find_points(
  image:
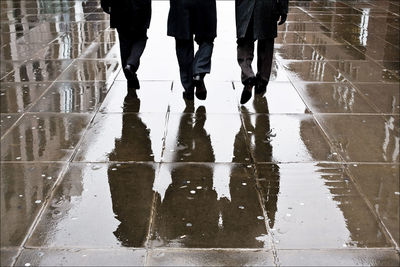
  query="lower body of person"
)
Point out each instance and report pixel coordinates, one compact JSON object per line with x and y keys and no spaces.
{"x":245,"y":56}
{"x":193,"y":67}
{"x":132,"y":45}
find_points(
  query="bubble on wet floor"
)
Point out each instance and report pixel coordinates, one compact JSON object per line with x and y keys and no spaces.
{"x":397,"y":193}
{"x":151,"y":155}
{"x":355,"y":165}
{"x":38,"y":201}
{"x":18,"y":158}
{"x":288,"y":214}
{"x":33,"y":128}
{"x":188,"y":225}
{"x":183,"y":186}
{"x":96,"y":167}
{"x":188,"y":182}
{"x":118,"y":165}
{"x":241,"y":207}
{"x":248,"y":166}
{"x":49,"y":178}
{"x":74,"y":218}
{"x":21,"y":136}
{"x":199,"y":187}
{"x":190,"y":198}
{"x":114,"y":169}
{"x":27,"y":264}
{"x":8,"y":117}
{"x":192,"y":192}
{"x":244,"y":183}
{"x":301,"y":204}
{"x":43,"y":175}
{"x":260,"y":217}
{"x":246,"y":159}
{"x":182,"y":236}
{"x":20,"y":195}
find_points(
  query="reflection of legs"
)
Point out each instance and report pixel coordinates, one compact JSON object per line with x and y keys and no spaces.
{"x":185,"y":55}
{"x":265,"y":51}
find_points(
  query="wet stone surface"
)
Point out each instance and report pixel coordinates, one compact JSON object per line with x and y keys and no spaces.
{"x":306,"y":173}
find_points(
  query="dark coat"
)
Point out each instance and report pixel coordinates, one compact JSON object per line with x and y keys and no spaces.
{"x":188,"y":17}
{"x":133,"y":15}
{"x":265,"y":14}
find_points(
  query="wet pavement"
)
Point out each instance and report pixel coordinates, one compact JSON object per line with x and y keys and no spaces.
{"x":307,"y":174}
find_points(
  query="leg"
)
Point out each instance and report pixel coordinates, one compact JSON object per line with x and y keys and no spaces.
{"x":136,"y":52}
{"x":185,"y":55}
{"x":202,"y":60}
{"x":125,"y":44}
{"x":265,"y":51}
{"x":245,"y":56}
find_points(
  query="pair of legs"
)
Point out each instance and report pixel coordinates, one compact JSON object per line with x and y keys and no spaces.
{"x":132,"y":45}
{"x":245,"y":56}
{"x":194,"y":66}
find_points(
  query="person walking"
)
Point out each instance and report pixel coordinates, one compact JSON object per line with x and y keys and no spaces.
{"x":257,"y":20}
{"x":198,"y":18}
{"x":131,"y":18}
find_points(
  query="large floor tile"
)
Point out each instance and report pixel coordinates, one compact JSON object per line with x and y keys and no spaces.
{"x":364,"y":71}
{"x":38,"y":70}
{"x":386,"y":97}
{"x":18,"y":97}
{"x":203,"y":137}
{"x":208,"y":206}
{"x":153,"y":96}
{"x":85,"y":257}
{"x":114,"y":199}
{"x":219,"y":257}
{"x":312,"y":71}
{"x":333,"y":98}
{"x":8,"y":256}
{"x":363,"y":138}
{"x":286,"y":138}
{"x":123,"y":137}
{"x":356,"y":257}
{"x":72,"y":97}
{"x":315,"y":206}
{"x":44,"y":137}
{"x":220,"y":99}
{"x":7,"y":120}
{"x":91,"y":70}
{"x":281,"y":97}
{"x":24,"y":189}
{"x":380,"y":184}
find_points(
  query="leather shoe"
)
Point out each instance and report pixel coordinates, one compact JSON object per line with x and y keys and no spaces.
{"x":201,"y":90}
{"x":261,"y":86}
{"x":133,"y":81}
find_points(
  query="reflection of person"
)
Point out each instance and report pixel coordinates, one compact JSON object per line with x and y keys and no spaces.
{"x":262,"y":152}
{"x":199,"y":18}
{"x":132,"y":19}
{"x":256,"y":20}
{"x":131,"y":185}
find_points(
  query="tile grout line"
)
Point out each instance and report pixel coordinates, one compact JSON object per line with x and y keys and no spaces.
{"x":259,"y":193}
{"x":153,"y":212}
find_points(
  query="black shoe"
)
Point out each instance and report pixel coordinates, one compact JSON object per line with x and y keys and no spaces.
{"x":131,"y":93}
{"x":247,"y":90}
{"x":201,"y":90}
{"x":132,"y":78}
{"x":261,"y":86}
{"x":134,"y":83}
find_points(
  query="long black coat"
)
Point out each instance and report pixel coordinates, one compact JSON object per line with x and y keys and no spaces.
{"x":187,"y":17}
{"x":134,"y":15}
{"x":265,"y":13}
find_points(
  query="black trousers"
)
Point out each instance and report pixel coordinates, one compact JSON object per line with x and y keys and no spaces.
{"x":132,"y":45}
{"x":191,"y":64}
{"x":245,"y":56}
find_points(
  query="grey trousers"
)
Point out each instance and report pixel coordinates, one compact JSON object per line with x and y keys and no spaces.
{"x":132,"y":46}
{"x":245,"y":56}
{"x":191,"y":64}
